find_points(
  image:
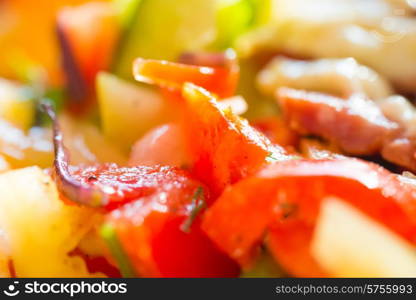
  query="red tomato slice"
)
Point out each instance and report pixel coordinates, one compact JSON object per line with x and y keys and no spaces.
{"x":220,"y":80}
{"x":163,"y":145}
{"x":293,"y":190}
{"x":152,"y":235}
{"x":224,"y":148}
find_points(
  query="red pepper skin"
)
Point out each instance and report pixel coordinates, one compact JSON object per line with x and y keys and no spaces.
{"x":292,"y":191}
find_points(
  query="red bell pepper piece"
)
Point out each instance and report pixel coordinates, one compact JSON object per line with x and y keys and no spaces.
{"x":277,"y":131}
{"x":292,"y":191}
{"x":161,"y":237}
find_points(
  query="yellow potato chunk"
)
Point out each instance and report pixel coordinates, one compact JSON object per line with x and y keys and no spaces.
{"x":39,"y":229}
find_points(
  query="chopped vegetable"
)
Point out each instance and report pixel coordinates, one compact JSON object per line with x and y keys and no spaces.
{"x":154,"y":150}
{"x":88,"y":35}
{"x":264,"y":267}
{"x":163,"y":145}
{"x":221,"y":80}
{"x":339,"y":77}
{"x":86,"y":143}
{"x":341,"y":227}
{"x":286,"y":197}
{"x":224,"y":147}
{"x":21,"y":149}
{"x":180,"y":26}
{"x":125,"y":105}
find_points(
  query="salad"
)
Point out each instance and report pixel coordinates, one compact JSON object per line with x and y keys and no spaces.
{"x":201,"y":138}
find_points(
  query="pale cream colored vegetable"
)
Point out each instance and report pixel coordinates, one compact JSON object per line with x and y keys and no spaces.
{"x":39,"y":229}
{"x":371,"y":31}
{"x":347,"y":243}
{"x":128,"y":110}
{"x":163,"y":145}
{"x":15,"y":106}
{"x":340,"y":77}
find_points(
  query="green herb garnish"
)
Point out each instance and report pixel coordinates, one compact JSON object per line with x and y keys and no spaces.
{"x":198,"y":204}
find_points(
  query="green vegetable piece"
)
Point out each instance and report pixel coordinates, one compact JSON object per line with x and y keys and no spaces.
{"x":265,"y":267}
{"x":163,"y":29}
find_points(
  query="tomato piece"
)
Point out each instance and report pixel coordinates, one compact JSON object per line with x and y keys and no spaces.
{"x":152,"y":234}
{"x":98,"y":264}
{"x":357,"y":125}
{"x":293,"y":190}
{"x":193,"y":254}
{"x":221,"y":80}
{"x":289,"y":244}
{"x":224,"y":148}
